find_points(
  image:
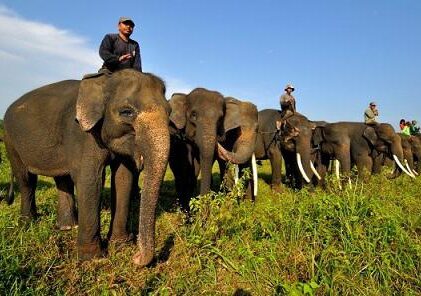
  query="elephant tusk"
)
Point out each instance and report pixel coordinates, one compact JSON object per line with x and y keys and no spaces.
{"x":409,"y":169}
{"x":415,"y":172}
{"x":314,"y":170}
{"x":254,"y":171}
{"x":401,"y":166}
{"x":236,"y":173}
{"x":337,"y":164}
{"x":300,"y":166}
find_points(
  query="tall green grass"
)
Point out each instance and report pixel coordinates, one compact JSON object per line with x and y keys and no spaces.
{"x":364,"y":240}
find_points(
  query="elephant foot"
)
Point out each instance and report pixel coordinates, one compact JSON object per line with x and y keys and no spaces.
{"x":89,"y":251}
{"x":142,"y":259}
{"x":122,"y":239}
{"x":26,"y":220}
{"x":67,"y":227}
{"x":66,"y":223}
{"x":276,"y":188}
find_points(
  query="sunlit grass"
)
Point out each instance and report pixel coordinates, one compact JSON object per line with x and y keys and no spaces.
{"x":364,"y":240}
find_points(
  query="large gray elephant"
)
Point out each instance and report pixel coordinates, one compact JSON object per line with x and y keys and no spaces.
{"x":292,"y":142}
{"x":70,"y":130}
{"x":202,"y":122}
{"x":355,"y":143}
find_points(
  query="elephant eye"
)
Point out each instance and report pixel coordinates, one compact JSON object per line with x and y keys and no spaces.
{"x":127,"y":112}
{"x":193,"y":115}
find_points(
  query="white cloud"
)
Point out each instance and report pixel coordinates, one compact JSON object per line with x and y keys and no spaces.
{"x":33,"y":54}
{"x":175,"y":85}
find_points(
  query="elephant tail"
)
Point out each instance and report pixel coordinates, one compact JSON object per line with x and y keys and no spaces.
{"x":10,"y":198}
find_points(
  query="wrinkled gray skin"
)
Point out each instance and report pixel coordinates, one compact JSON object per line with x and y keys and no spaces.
{"x":201,"y":122}
{"x":356,"y":143}
{"x":124,"y":117}
{"x":294,"y":137}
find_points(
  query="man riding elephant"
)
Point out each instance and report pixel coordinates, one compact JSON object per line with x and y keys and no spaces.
{"x":287,"y":102}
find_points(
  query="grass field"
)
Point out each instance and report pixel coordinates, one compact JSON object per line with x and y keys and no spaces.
{"x":360,"y":241}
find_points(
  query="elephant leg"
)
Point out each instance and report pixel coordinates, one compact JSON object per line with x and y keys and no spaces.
{"x":364,"y":166}
{"x":183,"y":168}
{"x":27,"y":183}
{"x":228,"y":175}
{"x":122,"y":180}
{"x":66,"y":207}
{"x":275,"y":158}
{"x":249,"y":186}
{"x":322,"y":168}
{"x":88,"y":186}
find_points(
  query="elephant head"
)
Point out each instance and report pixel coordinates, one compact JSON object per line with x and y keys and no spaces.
{"x":296,"y":137}
{"x":128,"y":115}
{"x":415,"y":142}
{"x":383,"y":138}
{"x":206,"y":118}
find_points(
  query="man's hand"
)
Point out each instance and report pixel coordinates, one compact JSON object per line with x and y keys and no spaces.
{"x":125,"y":57}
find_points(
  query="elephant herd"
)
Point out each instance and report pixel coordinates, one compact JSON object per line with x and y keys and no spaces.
{"x":71,"y":130}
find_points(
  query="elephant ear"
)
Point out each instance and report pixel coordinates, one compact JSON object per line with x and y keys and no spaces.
{"x":371,"y":135}
{"x":317,"y":136}
{"x":90,"y":102}
{"x":178,"y":104}
{"x":232,"y":118}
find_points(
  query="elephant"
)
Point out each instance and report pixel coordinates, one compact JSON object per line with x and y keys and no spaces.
{"x":357,"y":143}
{"x":292,"y":142}
{"x":411,"y":146}
{"x":201,"y":123}
{"x":415,"y":141}
{"x":72,"y":129}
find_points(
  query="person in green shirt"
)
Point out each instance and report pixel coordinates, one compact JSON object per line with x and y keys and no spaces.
{"x":404,"y":128}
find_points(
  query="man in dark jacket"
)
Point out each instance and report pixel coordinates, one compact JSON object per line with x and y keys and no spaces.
{"x":119,"y":51}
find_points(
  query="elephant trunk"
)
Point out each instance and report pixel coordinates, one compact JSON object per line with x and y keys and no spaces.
{"x":243,"y":148}
{"x":303,"y":157}
{"x":207,"y":157}
{"x":152,"y":143}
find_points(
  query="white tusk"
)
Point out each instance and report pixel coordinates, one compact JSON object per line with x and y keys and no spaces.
{"x":415,"y":172}
{"x":314,"y":170}
{"x":401,"y":166}
{"x":236,"y":173}
{"x":300,"y":166}
{"x":408,"y":168}
{"x":254,"y":171}
{"x":337,"y":164}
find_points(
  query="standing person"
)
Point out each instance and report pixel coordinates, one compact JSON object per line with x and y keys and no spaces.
{"x":404,"y":128}
{"x":119,"y":51}
{"x":287,"y":101}
{"x":371,"y":113}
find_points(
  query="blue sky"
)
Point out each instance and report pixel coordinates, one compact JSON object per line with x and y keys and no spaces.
{"x":339,"y":54}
